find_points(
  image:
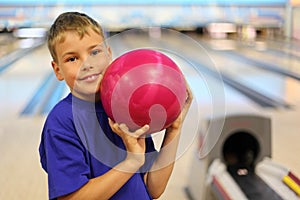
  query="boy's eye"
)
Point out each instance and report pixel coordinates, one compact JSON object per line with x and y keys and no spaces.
{"x":95,"y":52}
{"x":72,"y":59}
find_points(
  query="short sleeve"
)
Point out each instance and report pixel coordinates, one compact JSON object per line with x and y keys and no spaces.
{"x":65,"y":162}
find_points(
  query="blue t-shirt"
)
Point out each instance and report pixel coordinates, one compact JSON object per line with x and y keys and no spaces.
{"x":77,"y":144}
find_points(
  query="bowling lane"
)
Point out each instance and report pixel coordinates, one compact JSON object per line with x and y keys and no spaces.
{"x":289,"y":47}
{"x":13,"y":48}
{"x":268,"y":82}
{"x":7,"y":44}
{"x":22,"y":176}
{"x":19,"y":82}
{"x":266,"y":52}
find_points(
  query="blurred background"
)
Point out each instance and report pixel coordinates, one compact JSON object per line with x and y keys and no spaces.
{"x":254,"y":45}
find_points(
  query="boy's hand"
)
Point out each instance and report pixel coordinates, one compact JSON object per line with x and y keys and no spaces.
{"x":177,"y":124}
{"x":133,"y":141}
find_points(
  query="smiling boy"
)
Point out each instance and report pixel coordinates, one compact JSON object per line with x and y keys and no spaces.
{"x":85,"y":154}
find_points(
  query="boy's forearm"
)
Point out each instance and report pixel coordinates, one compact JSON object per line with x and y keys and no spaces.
{"x":106,"y":185}
{"x":158,"y":177}
{"x":157,"y":180}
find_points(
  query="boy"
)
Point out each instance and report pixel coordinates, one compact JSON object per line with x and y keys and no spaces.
{"x":87,"y":155}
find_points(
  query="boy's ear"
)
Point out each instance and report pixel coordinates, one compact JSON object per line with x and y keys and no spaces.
{"x":57,"y":71}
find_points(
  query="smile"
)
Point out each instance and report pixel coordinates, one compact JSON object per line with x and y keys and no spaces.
{"x":90,"y":78}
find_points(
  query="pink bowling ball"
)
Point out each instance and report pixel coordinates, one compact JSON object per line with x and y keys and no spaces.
{"x":141,"y":87}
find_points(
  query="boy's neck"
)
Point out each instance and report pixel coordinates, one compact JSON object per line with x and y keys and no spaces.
{"x":92,"y":98}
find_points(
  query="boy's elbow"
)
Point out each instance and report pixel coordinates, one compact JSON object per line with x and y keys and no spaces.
{"x":156,"y":194}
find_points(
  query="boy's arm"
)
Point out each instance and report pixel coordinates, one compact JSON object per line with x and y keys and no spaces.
{"x":106,"y":185}
{"x":161,"y":170}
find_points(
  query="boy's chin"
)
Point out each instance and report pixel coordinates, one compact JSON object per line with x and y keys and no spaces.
{"x":92,"y":95}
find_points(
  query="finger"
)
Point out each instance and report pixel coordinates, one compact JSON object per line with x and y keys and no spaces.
{"x":100,"y":77}
{"x":141,"y":131}
{"x":111,"y":123}
{"x":115,"y":127}
{"x":188,"y":101}
{"x":124,"y":128}
{"x":189,"y":93}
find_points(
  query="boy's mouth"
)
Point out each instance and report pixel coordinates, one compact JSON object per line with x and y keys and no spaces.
{"x":90,"y":78}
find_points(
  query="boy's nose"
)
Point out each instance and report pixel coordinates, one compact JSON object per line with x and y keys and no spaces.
{"x":86,"y":66}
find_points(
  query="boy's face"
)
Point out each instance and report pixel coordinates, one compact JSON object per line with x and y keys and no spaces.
{"x":81,"y":62}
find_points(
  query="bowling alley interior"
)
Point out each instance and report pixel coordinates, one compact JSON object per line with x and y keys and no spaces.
{"x":240,"y":59}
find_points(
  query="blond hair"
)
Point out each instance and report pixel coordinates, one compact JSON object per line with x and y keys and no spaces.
{"x":70,"y":21}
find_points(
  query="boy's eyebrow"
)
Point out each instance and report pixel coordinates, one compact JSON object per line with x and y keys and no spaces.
{"x":72,"y":52}
{"x":93,"y":46}
{"x":67,"y":53}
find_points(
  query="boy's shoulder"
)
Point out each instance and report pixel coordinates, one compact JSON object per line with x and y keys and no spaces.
{"x":62,"y":109}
